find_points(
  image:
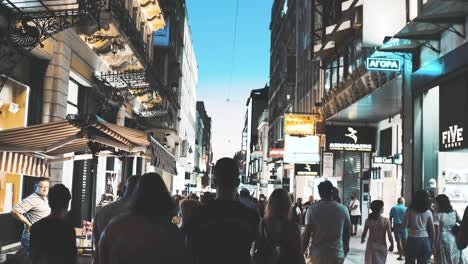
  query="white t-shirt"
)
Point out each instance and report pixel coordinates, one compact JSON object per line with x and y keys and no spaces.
{"x":328,"y":219}
{"x":357,"y":211}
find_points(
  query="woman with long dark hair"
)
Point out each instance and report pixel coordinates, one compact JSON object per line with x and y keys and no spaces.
{"x":445,"y":219}
{"x":279,"y":240}
{"x":146,"y":234}
{"x":379,"y":229}
{"x":420,"y":224}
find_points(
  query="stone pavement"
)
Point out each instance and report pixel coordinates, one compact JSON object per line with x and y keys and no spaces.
{"x":357,"y":250}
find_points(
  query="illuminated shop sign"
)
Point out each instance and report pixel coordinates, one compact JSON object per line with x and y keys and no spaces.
{"x":276,"y":152}
{"x":453,"y":114}
{"x":383,"y":160}
{"x":350,"y":138}
{"x":307,"y":169}
{"x":299,"y":124}
{"x":453,"y":137}
{"x":383,"y":64}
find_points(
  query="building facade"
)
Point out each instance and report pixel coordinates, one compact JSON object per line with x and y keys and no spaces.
{"x":256,"y":104}
{"x":100,"y":68}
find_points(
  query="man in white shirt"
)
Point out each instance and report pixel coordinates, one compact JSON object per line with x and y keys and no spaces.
{"x":355,"y":212}
{"x":328,"y":223}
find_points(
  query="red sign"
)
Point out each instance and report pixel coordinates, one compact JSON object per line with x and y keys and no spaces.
{"x":276,"y":152}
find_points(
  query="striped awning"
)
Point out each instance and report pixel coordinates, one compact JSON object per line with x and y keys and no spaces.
{"x":87,"y":135}
{"x":17,"y":163}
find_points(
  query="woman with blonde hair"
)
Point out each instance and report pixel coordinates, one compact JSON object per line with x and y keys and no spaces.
{"x":279,"y":237}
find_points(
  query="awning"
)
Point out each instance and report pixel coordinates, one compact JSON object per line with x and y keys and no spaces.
{"x":72,"y":135}
{"x":88,"y":135}
{"x":161,"y":158}
{"x":444,"y":11}
{"x":421,"y":31}
{"x":18,"y":163}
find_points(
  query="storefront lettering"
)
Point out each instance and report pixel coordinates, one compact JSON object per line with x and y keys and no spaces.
{"x":453,"y":137}
{"x":383,"y":64}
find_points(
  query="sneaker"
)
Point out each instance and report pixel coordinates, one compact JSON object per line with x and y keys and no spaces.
{"x":400,"y":258}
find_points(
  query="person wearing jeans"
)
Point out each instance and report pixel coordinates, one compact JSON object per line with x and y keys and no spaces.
{"x":421,"y":233}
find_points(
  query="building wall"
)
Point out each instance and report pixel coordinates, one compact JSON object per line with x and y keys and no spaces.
{"x":188,"y":100}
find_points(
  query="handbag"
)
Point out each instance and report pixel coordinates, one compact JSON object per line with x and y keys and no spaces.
{"x":267,"y":251}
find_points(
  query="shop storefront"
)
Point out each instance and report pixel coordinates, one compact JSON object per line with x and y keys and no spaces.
{"x":352,"y":148}
{"x":440,"y":121}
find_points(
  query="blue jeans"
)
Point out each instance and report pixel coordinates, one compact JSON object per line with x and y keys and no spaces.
{"x":418,"y":250}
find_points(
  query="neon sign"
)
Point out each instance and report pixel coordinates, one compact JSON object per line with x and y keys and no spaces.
{"x":383,"y":64}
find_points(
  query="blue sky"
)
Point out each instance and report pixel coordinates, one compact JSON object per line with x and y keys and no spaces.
{"x":212,"y":26}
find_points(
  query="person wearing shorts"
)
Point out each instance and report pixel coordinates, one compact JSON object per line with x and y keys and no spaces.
{"x":397,"y":214}
{"x":355,"y":213}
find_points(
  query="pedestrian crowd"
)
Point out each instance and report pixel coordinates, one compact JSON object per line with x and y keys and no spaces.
{"x":148,"y":225}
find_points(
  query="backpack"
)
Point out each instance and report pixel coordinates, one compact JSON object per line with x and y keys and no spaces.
{"x":267,"y":251}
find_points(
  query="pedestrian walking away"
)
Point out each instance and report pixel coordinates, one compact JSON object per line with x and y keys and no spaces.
{"x":420,"y":224}
{"x":445,"y":220}
{"x":327,"y":229}
{"x":146,"y":233}
{"x":279,"y":240}
{"x":379,"y":229}
{"x":397,"y":214}
{"x":53,"y":239}
{"x":223,"y":230}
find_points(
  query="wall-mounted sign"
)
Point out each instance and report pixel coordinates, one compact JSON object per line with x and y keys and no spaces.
{"x":328,"y":169}
{"x":299,"y":124}
{"x":383,"y":64}
{"x":161,"y":37}
{"x":383,"y":160}
{"x":350,"y":138}
{"x":453,"y":117}
{"x":301,"y":149}
{"x":307,"y":169}
{"x":276,"y":152}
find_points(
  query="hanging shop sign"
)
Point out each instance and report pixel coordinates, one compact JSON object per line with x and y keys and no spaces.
{"x":14,"y":98}
{"x":383,"y":160}
{"x":276,"y":152}
{"x":350,"y":138}
{"x":307,"y":169}
{"x":383,"y":64}
{"x":301,"y":149}
{"x":453,"y":117}
{"x":299,"y":124}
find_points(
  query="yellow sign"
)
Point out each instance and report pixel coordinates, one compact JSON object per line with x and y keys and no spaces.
{"x":299,"y":124}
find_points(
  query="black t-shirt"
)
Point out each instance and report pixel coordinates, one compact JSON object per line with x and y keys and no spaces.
{"x":53,"y":241}
{"x":223,"y":232}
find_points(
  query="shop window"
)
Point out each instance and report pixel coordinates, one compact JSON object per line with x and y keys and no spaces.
{"x":333,"y":74}
{"x":430,"y":138}
{"x":72,"y":100}
{"x":386,"y":142}
{"x":359,"y":53}
{"x":10,"y":188}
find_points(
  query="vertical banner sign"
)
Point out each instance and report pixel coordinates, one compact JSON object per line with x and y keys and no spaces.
{"x":328,"y":164}
{"x":453,"y":117}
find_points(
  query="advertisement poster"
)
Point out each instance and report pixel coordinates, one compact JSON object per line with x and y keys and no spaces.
{"x":328,"y":164}
{"x":350,"y":138}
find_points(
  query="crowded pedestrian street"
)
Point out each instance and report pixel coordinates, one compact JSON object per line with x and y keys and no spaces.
{"x":233,"y":131}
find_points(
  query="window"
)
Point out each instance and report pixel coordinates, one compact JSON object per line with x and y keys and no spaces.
{"x":72,"y":100}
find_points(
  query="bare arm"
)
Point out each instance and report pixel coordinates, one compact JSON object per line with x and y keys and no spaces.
{"x":405,"y":223}
{"x":431,"y":231}
{"x":364,"y":233}
{"x":346,"y":233}
{"x":306,"y":237}
{"x":22,"y":219}
{"x":389,"y":234}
